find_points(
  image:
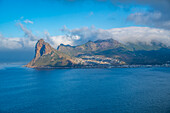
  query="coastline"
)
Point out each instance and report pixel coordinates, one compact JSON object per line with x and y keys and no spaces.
{"x":91,"y":67}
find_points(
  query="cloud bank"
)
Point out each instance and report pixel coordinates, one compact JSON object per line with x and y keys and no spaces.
{"x":82,"y":35}
{"x":124,"y":35}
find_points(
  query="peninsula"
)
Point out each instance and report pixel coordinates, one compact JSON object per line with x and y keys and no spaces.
{"x":100,"y":53}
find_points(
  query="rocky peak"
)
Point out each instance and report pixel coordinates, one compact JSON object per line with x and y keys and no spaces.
{"x":42,"y":48}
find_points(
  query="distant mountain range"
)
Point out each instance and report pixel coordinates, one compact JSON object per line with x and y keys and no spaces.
{"x":100,"y":53}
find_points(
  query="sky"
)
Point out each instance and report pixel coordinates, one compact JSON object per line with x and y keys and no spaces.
{"x":52,"y":15}
{"x":74,"y":22}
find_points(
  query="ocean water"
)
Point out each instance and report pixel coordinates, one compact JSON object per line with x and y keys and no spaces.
{"x":117,"y":90}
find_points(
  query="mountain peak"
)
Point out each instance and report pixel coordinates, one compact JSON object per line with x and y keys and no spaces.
{"x":42,"y":48}
{"x":45,"y":55}
{"x":41,"y":40}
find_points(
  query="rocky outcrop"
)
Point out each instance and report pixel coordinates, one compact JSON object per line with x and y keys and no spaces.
{"x":42,"y":48}
{"x":45,"y":55}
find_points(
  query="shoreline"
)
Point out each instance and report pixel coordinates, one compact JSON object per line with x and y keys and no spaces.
{"x":100,"y":67}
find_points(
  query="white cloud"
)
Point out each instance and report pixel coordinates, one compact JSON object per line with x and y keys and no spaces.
{"x":16,"y":43}
{"x":27,"y":32}
{"x":124,"y":35}
{"x":10,"y":43}
{"x":82,"y":35}
{"x":60,"y":39}
{"x":141,"y":34}
{"x":28,"y":21}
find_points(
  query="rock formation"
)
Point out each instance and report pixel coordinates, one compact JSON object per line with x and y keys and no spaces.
{"x":100,"y":53}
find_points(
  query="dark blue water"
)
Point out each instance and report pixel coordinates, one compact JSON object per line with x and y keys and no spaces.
{"x":118,"y":90}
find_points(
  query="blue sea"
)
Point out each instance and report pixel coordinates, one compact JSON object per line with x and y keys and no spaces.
{"x":116,"y":90}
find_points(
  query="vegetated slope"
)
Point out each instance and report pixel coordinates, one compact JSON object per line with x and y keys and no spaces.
{"x":99,"y":53}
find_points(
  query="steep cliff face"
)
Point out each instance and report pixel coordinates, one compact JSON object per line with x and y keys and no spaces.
{"x":45,"y":56}
{"x":42,"y":48}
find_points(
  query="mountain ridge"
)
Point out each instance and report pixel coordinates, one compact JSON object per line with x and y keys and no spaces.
{"x":100,"y":53}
